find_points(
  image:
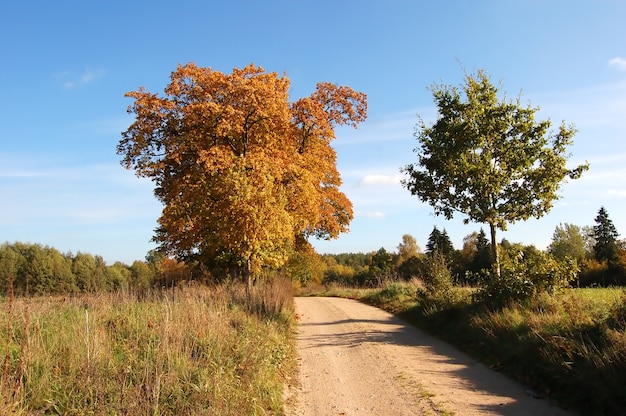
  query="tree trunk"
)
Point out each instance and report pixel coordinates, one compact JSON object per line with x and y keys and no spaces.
{"x":247,"y":277}
{"x":495,"y":251}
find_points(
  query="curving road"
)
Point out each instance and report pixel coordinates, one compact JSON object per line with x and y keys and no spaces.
{"x":355,"y":359}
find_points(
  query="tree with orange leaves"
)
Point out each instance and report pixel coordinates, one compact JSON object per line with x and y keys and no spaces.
{"x":245,"y":176}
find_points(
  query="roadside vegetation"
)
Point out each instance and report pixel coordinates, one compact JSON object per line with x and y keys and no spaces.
{"x":557,"y":327}
{"x":194,"y":350}
{"x":569,"y":347}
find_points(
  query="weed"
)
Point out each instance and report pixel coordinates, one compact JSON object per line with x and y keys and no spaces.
{"x":195,"y":351}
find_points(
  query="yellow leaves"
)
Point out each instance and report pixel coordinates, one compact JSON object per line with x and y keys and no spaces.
{"x":238,"y":168}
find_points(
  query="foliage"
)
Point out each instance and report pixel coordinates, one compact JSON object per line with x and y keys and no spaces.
{"x":35,"y":269}
{"x":192,"y":351}
{"x":340,"y":274}
{"x":413,"y":267}
{"x":439,"y":242}
{"x":601,"y":273}
{"x":570,"y":240}
{"x":356,"y":261}
{"x":438,"y":280}
{"x":407,"y":248}
{"x":525,"y":275}
{"x":569,"y":346}
{"x":605,"y":235}
{"x":487,"y":158}
{"x":381,"y":266}
{"x":305,"y":267}
{"x":242,"y":172}
{"x":473,"y":260}
{"x":343,"y":268}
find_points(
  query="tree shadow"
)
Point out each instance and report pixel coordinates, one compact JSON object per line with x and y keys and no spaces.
{"x":446,"y":359}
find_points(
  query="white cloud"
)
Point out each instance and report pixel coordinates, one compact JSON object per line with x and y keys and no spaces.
{"x":619,"y":63}
{"x":371,"y":214}
{"x":100,"y":215}
{"x":368,"y":180}
{"x":87,"y":77}
{"x":617,"y":193}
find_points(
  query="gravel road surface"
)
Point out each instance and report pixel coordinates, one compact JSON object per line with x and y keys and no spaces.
{"x":355,"y":359}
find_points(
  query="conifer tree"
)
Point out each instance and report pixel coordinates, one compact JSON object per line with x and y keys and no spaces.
{"x":605,"y":235}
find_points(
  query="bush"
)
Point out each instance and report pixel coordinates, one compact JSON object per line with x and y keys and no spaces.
{"x":525,"y":276}
{"x":438,"y":282}
{"x":602,"y":273}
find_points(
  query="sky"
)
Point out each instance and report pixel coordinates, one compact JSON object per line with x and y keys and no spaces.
{"x":66,"y":66}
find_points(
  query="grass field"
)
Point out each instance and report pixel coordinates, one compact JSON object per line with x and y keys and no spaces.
{"x":191,"y":351}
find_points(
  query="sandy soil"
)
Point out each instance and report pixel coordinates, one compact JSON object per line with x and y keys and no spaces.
{"x":355,"y":359}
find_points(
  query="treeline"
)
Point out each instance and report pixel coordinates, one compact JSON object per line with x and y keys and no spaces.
{"x":35,"y":269}
{"x":586,"y":256}
{"x":577,"y":256}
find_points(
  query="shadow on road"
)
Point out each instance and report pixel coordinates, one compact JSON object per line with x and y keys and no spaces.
{"x":435,"y":356}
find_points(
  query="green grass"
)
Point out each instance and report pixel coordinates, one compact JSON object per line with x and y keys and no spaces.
{"x":192,"y":351}
{"x":569,"y":346}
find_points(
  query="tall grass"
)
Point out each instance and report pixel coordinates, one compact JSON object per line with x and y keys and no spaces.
{"x":191,"y":351}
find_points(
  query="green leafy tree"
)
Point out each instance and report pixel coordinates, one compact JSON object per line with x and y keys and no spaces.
{"x":380,"y":267}
{"x":487,"y":158}
{"x":84,"y":269}
{"x":305,"y":265}
{"x":11,"y":261}
{"x":438,"y":279}
{"x":381,"y":262}
{"x":527,"y":272}
{"x":569,"y":240}
{"x":48,"y":271}
{"x":605,"y":235}
{"x":415,"y":266}
{"x":142,"y":275}
{"x":118,"y":276}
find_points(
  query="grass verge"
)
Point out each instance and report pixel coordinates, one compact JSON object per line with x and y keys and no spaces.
{"x":192,"y":351}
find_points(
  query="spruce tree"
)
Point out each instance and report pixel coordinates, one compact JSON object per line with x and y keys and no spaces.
{"x":605,"y":235}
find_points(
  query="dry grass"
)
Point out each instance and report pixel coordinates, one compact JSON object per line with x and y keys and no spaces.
{"x":192,"y":351}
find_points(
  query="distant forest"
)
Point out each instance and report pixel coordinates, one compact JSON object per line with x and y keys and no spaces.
{"x":597,"y":257}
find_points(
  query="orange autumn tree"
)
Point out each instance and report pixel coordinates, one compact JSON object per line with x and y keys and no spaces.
{"x":245,"y":176}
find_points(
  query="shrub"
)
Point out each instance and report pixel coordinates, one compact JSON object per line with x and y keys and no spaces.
{"x":438,"y":282}
{"x":525,"y":276}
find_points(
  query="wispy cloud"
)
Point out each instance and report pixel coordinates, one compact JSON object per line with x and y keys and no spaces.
{"x":371,"y":214}
{"x":619,"y":63}
{"x":71,"y":80}
{"x":390,"y":128}
{"x":100,"y":215}
{"x":16,"y":174}
{"x":377,"y":179}
{"x":617,"y":193}
{"x":96,"y":193}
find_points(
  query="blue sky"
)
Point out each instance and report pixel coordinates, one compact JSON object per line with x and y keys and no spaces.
{"x":67,"y":64}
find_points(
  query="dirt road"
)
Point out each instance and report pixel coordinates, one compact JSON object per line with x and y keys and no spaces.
{"x":355,"y":359}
